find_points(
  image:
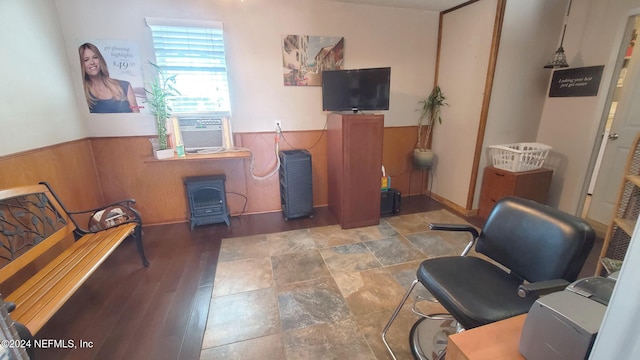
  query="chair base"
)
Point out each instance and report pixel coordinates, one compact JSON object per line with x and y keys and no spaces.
{"x":428,"y":338}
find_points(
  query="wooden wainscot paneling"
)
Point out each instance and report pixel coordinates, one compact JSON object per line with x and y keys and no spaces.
{"x":68,"y":167}
{"x":88,"y":173}
{"x":126,"y":170}
{"x":397,"y":158}
{"x":264,"y":195}
{"x":91,"y":172}
{"x":158,"y":186}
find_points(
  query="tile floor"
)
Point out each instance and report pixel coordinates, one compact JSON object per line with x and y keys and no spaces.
{"x":322,"y":293}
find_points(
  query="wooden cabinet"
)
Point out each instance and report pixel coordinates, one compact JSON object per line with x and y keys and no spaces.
{"x":498,"y":340}
{"x":625,"y":215}
{"x":354,"y":162}
{"x":498,"y":183}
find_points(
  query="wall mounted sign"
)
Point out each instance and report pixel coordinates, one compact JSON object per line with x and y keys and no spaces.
{"x":576,"y":82}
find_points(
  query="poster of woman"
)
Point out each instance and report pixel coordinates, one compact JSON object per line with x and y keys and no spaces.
{"x":111,"y":91}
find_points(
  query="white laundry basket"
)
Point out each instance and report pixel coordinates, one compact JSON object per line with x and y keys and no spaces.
{"x":519,"y":156}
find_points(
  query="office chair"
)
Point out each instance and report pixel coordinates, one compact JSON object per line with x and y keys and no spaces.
{"x":532,"y":249}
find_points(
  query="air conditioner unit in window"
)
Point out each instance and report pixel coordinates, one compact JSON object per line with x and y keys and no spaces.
{"x":205,"y":133}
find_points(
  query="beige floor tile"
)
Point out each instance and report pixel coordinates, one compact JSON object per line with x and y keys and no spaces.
{"x":405,"y":274}
{"x":241,"y":316}
{"x":394,"y":250}
{"x":310,"y":303}
{"x":372,"y":325}
{"x":349,"y":258}
{"x":268,"y":347}
{"x":441,"y":217}
{"x":291,"y":242}
{"x":408,"y":224}
{"x":440,"y":243}
{"x":323,"y":293}
{"x":339,"y":340}
{"x":243,"y":275}
{"x":333,"y":235}
{"x":300,"y":266}
{"x":244,"y":248}
{"x":381,"y":231}
{"x":370,"y":291}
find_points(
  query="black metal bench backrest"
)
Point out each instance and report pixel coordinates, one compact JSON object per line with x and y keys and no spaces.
{"x":26,"y":220}
{"x":33,"y":223}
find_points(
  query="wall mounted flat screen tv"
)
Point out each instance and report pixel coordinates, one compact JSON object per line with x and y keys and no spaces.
{"x":356,"y":90}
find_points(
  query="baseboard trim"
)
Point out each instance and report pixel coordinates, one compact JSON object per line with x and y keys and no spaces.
{"x":455,"y":207}
{"x":600,"y":228}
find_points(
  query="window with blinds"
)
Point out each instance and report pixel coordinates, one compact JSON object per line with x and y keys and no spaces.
{"x":194,"y":52}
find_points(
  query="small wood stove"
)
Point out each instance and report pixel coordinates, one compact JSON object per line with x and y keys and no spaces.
{"x":207,"y":200}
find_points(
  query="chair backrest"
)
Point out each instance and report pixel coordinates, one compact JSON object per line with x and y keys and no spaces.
{"x":535,"y":241}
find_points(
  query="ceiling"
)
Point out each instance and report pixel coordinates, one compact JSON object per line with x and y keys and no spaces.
{"x":431,"y":5}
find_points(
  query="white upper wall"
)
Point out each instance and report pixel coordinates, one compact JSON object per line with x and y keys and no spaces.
{"x":37,"y":101}
{"x":374,"y":36}
{"x":465,"y":50}
{"x":572,"y":124}
{"x":529,"y":37}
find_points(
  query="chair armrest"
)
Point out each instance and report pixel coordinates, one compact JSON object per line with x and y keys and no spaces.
{"x":459,"y":227}
{"x":540,"y":288}
{"x":455,"y":227}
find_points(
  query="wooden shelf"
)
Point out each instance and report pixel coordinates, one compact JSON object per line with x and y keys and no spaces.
{"x":223,"y":155}
{"x":615,"y":242}
{"x":626,"y":225}
{"x":634,"y":179}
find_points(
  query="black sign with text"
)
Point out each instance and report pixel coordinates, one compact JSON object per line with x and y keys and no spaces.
{"x":576,"y":82}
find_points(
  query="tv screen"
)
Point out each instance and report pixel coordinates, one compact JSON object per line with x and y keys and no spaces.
{"x":356,"y":90}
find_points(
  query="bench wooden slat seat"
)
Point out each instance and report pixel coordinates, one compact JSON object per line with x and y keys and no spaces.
{"x":33,"y":221}
{"x":44,"y":293}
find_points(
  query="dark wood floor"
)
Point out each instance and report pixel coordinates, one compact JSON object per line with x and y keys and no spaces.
{"x":131,"y":312}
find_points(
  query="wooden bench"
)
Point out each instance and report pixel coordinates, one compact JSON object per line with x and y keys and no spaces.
{"x":46,"y":255}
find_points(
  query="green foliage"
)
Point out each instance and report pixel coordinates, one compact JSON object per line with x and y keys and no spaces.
{"x":160,"y":92}
{"x":430,"y":112}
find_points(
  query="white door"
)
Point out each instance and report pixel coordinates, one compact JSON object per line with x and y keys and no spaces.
{"x":623,"y":130}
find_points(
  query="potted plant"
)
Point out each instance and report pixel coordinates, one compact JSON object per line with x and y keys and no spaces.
{"x":430,"y":112}
{"x":160,"y":92}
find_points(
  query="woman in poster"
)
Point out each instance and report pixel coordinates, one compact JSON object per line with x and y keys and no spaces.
{"x":103,"y":93}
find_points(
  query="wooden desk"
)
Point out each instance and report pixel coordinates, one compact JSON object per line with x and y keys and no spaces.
{"x":496,"y":341}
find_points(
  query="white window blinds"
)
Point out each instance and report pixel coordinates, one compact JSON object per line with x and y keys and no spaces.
{"x":194,"y":52}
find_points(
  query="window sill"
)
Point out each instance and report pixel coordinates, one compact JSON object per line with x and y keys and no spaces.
{"x":224,"y":155}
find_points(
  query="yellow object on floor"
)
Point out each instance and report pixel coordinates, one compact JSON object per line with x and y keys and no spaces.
{"x":385,"y":182}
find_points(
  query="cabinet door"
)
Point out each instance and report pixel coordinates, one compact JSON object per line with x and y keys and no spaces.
{"x":354,"y":148}
{"x":362,"y":139}
{"x":496,"y":184}
{"x":534,"y":185}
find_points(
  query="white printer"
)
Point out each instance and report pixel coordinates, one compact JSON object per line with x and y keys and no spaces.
{"x":563,"y":325}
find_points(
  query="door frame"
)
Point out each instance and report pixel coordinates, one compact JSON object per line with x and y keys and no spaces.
{"x":467,"y":208}
{"x":614,"y":65}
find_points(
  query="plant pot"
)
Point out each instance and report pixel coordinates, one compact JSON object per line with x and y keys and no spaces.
{"x":155,"y":145}
{"x":423,"y":158}
{"x":163,"y":154}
